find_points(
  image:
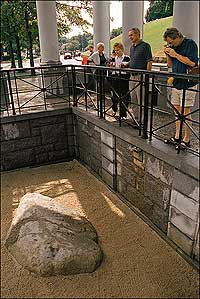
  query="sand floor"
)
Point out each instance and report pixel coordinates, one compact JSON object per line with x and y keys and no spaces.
{"x":137,"y":262}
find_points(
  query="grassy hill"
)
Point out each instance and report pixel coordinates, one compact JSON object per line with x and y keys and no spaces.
{"x":153,"y":34}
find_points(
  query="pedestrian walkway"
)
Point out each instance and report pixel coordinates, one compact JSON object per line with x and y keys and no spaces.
{"x":137,"y":262}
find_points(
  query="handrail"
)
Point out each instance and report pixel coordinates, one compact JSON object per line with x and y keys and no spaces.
{"x":68,"y":85}
{"x":140,"y":71}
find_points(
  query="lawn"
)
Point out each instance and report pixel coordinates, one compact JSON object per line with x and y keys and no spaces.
{"x":153,"y":34}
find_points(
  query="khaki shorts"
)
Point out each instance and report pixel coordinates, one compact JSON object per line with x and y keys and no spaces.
{"x":176,"y":97}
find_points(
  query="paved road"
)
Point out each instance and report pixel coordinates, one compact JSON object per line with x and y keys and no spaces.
{"x":26,"y":63}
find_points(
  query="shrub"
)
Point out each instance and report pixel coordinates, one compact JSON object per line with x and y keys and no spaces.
{"x":6,"y":57}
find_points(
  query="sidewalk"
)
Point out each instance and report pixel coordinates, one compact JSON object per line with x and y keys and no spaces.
{"x":26,"y":62}
{"x":137,"y":262}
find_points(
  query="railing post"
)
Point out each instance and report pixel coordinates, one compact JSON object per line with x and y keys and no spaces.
{"x":19,"y":108}
{"x":98,"y":89}
{"x":85,"y":86}
{"x":101,"y":73}
{"x":146,"y":103}
{"x":68,"y":86}
{"x":43,"y":89}
{"x":103,"y":94}
{"x":115,"y":165}
{"x":140,"y":108}
{"x":153,"y":96}
{"x":11,"y":94}
{"x":74,"y":86}
{"x":4,"y":100}
{"x":181,"y":118}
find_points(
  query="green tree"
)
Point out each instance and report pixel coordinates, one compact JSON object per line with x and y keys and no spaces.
{"x":15,"y":20}
{"x":71,"y":14}
{"x":78,"y":42}
{"x":29,"y":12}
{"x":63,"y":40}
{"x":116,"y":32}
{"x":19,"y":24}
{"x":7,"y":35}
{"x":159,"y":9}
{"x":72,"y":45}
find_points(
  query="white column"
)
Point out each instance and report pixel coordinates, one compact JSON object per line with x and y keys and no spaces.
{"x":101,"y":24}
{"x":48,"y":35}
{"x":186,"y":18}
{"x":132,"y":16}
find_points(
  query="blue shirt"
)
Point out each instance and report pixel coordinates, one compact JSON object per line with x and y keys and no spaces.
{"x":140,"y":54}
{"x":189,"y":49}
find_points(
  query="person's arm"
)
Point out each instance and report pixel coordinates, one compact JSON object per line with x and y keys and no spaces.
{"x":125,"y":65}
{"x":169,"y":61}
{"x":112,"y":62}
{"x":91,"y":59}
{"x":185,"y":60}
{"x":125,"y":62}
{"x":149,"y":65}
{"x":149,"y":57}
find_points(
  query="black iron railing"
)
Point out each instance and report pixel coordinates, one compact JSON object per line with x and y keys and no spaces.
{"x":91,"y":88}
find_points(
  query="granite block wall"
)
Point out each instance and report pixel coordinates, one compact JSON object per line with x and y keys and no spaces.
{"x":166,"y":196}
{"x":36,"y":139}
{"x":164,"y":193}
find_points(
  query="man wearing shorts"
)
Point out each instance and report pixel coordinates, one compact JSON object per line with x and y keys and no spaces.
{"x":140,"y":58}
{"x":182,"y":53}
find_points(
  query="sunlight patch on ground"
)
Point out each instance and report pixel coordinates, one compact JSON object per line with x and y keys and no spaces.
{"x":113,"y":207}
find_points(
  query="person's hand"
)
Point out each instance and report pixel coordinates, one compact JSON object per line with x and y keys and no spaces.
{"x":164,"y":48}
{"x":169,"y":51}
{"x":112,"y":64}
{"x":124,"y":65}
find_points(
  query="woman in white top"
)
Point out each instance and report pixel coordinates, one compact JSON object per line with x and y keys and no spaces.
{"x":98,"y":57}
{"x":120,"y":81}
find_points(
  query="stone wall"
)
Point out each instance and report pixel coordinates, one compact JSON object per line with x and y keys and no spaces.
{"x":160,"y":185}
{"x":151,"y":180}
{"x":37,"y":138}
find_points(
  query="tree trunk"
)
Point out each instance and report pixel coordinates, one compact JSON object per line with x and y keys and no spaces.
{"x":29,"y":34}
{"x":15,"y":35}
{"x":1,"y":53}
{"x":11,"y":53}
{"x":10,"y":46}
{"x":19,"y":56}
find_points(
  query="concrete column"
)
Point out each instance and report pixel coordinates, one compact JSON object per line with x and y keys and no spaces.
{"x":48,"y":35}
{"x":101,"y":24}
{"x":132,"y":16}
{"x":186,"y":18}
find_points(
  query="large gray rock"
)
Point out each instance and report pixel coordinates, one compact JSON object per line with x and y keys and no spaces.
{"x":48,"y":239}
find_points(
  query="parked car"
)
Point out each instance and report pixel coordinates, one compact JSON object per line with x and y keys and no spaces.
{"x":67,"y":55}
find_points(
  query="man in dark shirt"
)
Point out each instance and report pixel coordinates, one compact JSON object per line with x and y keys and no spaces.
{"x":182,"y":53}
{"x":140,"y":58}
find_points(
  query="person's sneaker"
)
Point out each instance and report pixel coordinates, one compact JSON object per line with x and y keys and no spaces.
{"x":123,"y":118}
{"x":185,"y":143}
{"x":113,"y":113}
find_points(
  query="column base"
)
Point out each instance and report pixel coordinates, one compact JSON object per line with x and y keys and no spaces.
{"x":50,"y":63}
{"x":52,"y":79}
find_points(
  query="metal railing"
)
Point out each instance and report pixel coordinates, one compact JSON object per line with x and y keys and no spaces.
{"x":92,"y":88}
